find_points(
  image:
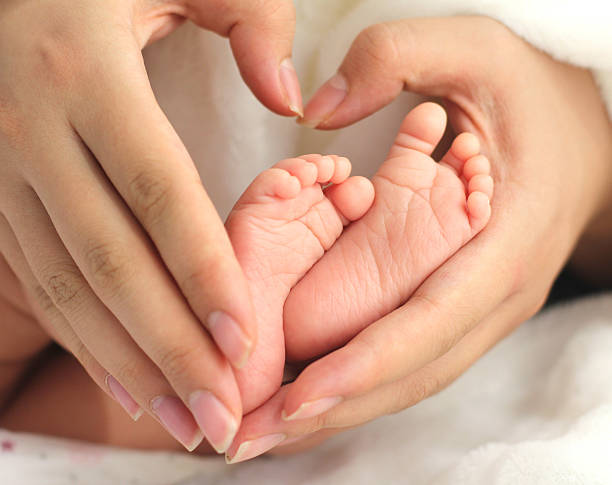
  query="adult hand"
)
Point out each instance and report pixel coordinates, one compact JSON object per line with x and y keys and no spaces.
{"x":103,"y":216}
{"x":544,"y":128}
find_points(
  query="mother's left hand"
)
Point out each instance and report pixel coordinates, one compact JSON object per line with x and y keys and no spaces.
{"x":543,"y":126}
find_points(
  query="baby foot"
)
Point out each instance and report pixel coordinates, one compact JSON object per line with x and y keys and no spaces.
{"x":422,"y":214}
{"x":280,"y":226}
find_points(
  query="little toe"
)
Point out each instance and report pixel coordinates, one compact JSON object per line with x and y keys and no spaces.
{"x":305,"y":171}
{"x":352,"y":199}
{"x":421,"y":130}
{"x":325,"y":166}
{"x":464,"y":147}
{"x":342,"y":169}
{"x":481,"y":183}
{"x":479,"y":210}
{"x":475,"y":166}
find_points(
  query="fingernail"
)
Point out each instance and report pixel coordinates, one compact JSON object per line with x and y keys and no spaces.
{"x":253,"y":448}
{"x":123,"y":397}
{"x":177,"y":419}
{"x":312,"y":408}
{"x":325,"y":101}
{"x":216,"y":422}
{"x":291,"y":85}
{"x":230,"y":338}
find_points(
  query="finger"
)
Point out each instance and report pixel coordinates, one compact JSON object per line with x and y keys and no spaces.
{"x":44,"y":308}
{"x":258,"y":428}
{"x":121,"y":123}
{"x":59,"y":285}
{"x":22,"y":336}
{"x":117,"y":269}
{"x":421,"y":55}
{"x":438,"y":315}
{"x":261,"y":36}
{"x":10,"y":287}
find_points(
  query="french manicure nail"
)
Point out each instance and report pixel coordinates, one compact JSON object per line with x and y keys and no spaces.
{"x":251,"y":449}
{"x":291,"y":85}
{"x":216,"y":422}
{"x":123,"y":397}
{"x":230,"y":338}
{"x":177,"y":419}
{"x":325,"y":101}
{"x":312,"y":408}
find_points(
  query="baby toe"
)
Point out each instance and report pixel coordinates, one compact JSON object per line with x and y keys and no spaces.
{"x":464,"y":147}
{"x":352,"y":199}
{"x":342,"y":169}
{"x":475,"y":166}
{"x":305,"y":171}
{"x":325,"y":167}
{"x":285,"y":185}
{"x":481,"y":183}
{"x":479,"y":210}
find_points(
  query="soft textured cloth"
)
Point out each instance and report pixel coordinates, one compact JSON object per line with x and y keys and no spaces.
{"x":536,"y":410}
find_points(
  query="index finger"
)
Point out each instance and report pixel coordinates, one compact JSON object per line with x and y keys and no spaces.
{"x":139,"y":151}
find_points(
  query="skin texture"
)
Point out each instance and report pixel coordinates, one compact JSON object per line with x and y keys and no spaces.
{"x":423,"y":213}
{"x":544,"y":128}
{"x":281,"y":225}
{"x":137,"y":252}
{"x":538,"y":121}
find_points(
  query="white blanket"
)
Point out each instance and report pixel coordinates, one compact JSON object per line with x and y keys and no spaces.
{"x":536,"y":410}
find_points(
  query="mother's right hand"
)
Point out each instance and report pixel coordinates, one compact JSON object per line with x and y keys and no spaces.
{"x":103,"y":216}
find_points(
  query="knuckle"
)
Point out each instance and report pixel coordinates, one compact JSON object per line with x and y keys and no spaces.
{"x":421,"y":386}
{"x":175,"y":361}
{"x":151,"y":195}
{"x":109,"y":266}
{"x":42,"y":299}
{"x":379,"y":44}
{"x":197,"y":282}
{"x":127,"y":371}
{"x":58,"y":56}
{"x":63,"y":284}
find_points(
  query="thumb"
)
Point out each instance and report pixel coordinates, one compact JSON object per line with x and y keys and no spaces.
{"x":261,"y":35}
{"x":431,"y":56}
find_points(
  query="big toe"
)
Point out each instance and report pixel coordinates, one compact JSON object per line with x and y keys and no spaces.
{"x":421,"y":130}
